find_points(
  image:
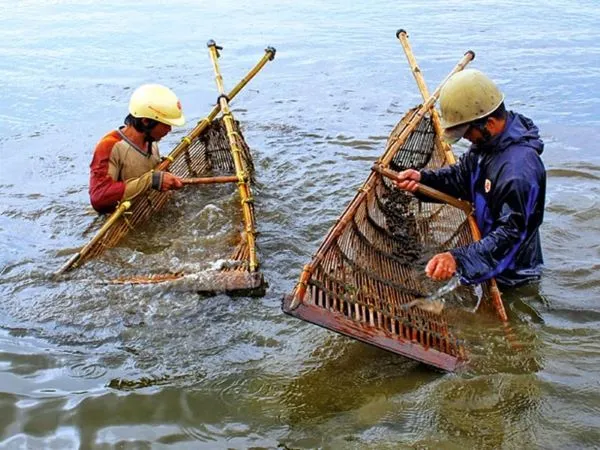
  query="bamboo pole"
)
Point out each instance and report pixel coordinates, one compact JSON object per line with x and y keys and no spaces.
{"x":182,"y":146}
{"x":384,"y":161}
{"x":494,"y":291}
{"x":203,"y":124}
{"x":240,"y":169}
{"x":425,"y":107}
{"x":124,"y":206}
{"x":435,"y":117}
{"x":210,"y":180}
{"x":450,"y":158}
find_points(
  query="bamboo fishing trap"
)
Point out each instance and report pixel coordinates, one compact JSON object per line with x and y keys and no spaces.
{"x":215,"y":151}
{"x":366,"y":276}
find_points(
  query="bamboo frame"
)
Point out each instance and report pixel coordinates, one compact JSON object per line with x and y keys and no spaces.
{"x":384,"y":161}
{"x":450,"y":158}
{"x":183,"y":145}
{"x":395,"y":145}
{"x":240,"y":169}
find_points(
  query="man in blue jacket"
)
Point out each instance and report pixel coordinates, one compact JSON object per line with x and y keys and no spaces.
{"x":502,"y":174}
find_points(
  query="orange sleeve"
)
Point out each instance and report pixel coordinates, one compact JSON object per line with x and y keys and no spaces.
{"x":105,"y":192}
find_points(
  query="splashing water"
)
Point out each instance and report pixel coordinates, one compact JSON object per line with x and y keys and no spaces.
{"x":435,"y":302}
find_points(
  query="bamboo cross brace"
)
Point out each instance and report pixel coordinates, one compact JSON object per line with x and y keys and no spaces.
{"x":450,"y":158}
{"x":389,"y":153}
{"x":240,"y":169}
{"x":394,"y":146}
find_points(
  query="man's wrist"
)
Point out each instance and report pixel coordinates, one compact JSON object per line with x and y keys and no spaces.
{"x":157,"y":179}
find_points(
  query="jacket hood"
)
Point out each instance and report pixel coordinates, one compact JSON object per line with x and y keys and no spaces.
{"x":518,"y":130}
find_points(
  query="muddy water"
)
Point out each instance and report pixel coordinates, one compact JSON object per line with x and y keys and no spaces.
{"x":88,"y":365}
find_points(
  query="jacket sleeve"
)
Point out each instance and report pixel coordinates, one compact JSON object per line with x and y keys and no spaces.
{"x":515,"y":205}
{"x":453,"y":180}
{"x":104,"y":191}
{"x":136,"y":186}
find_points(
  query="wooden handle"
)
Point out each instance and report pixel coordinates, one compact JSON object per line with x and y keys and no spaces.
{"x":445,"y":198}
{"x":210,"y":180}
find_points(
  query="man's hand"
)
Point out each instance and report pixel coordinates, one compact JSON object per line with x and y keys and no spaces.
{"x":441,"y":267}
{"x":170,"y":181}
{"x":409,"y":180}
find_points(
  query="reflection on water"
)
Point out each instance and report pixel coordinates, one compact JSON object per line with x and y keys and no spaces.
{"x":85,"y":364}
{"x":488,"y":411}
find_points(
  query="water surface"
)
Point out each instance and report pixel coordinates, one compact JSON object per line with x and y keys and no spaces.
{"x":88,"y":365}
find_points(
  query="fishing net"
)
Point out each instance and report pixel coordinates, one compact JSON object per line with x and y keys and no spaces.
{"x":371,"y":271}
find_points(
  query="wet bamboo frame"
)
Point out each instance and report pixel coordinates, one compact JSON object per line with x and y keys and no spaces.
{"x":240,"y":169}
{"x":392,"y":148}
{"x":183,"y":145}
{"x":402,"y":36}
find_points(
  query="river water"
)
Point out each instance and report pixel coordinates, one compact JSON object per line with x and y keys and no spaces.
{"x":85,"y":365}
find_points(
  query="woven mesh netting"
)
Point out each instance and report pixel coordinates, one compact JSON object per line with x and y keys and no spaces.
{"x":363,"y":283}
{"x":208,"y":155}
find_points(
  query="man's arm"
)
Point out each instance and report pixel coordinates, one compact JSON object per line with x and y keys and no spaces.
{"x":106,"y":192}
{"x":485,"y":259}
{"x":453,"y":180}
{"x":161,"y":181}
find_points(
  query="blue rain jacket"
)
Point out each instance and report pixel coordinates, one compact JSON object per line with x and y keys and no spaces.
{"x":505,"y":180}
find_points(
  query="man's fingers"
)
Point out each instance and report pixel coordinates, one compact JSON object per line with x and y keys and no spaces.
{"x":431,"y":266}
{"x":440,"y":273}
{"x":408,"y":185}
{"x":410,"y":174}
{"x":171,"y":182}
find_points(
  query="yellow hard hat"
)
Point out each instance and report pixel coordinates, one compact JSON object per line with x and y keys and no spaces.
{"x":467,"y":96}
{"x":157,"y":102}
